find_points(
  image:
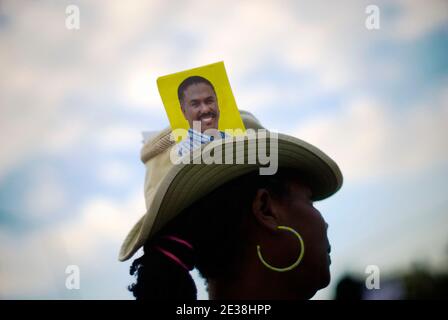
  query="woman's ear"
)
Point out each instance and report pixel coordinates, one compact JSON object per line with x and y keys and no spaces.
{"x":264,"y":209}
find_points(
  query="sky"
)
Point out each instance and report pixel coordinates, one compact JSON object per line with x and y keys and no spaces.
{"x":74,"y":102}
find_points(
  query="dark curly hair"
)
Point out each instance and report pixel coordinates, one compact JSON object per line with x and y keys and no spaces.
{"x":213,"y":225}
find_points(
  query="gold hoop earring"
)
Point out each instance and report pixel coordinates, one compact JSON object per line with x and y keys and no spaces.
{"x":295,"y":264}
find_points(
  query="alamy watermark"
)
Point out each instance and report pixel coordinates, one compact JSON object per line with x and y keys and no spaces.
{"x":72,"y":19}
{"x":373,"y":19}
{"x":73,"y":280}
{"x":238,"y":147}
{"x":373,"y":278}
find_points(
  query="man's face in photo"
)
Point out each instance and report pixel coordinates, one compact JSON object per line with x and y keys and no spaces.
{"x":199,"y":103}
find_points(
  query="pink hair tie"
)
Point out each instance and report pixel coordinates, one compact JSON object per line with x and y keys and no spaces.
{"x":181,"y":241}
{"x":172,"y":257}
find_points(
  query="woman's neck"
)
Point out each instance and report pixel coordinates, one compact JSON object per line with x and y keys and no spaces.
{"x":255,"y":282}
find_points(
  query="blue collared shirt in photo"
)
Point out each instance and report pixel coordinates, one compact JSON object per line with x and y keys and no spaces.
{"x":194,"y":140}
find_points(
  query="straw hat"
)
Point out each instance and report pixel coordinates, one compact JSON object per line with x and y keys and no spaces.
{"x":170,"y":187}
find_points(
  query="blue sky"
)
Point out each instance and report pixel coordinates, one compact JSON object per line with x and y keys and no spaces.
{"x":73,"y":104}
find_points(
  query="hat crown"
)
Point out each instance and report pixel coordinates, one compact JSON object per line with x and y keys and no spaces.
{"x":162,"y":141}
{"x":156,"y":151}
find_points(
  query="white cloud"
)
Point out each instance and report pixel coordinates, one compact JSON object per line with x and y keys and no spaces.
{"x":417,"y":18}
{"x":118,"y":138}
{"x":46,"y":195}
{"x":65,"y":134}
{"x":100,"y":221}
{"x":24,"y":269}
{"x":120,"y":51}
{"x":114,"y":173}
{"x":33,"y":265}
{"x":43,"y":63}
{"x":368,"y":139}
{"x":139,"y":85}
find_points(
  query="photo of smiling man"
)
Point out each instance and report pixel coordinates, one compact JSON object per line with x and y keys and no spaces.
{"x":198,"y":101}
{"x":200,"y":106}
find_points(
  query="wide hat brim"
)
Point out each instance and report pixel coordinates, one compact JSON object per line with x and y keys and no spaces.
{"x":184,"y":183}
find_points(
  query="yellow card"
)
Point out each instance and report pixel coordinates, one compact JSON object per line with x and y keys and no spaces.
{"x":200,"y":98}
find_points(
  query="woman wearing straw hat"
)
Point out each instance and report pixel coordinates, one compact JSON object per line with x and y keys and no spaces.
{"x":251,"y":236}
